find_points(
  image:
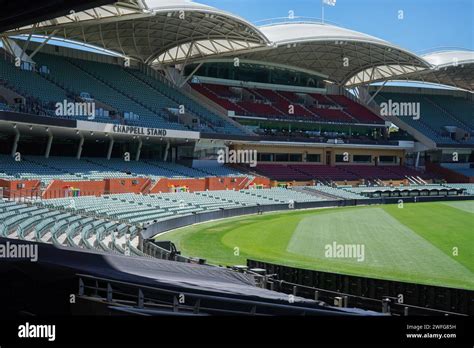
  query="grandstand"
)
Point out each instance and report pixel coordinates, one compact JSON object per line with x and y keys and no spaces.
{"x":153,"y":208}
{"x":272,"y":104}
{"x":324,"y":173}
{"x":336,"y":192}
{"x":413,"y":190}
{"x":298,"y":131}
{"x":112,"y":86}
{"x":26,"y":222}
{"x":436,"y":120}
{"x":466,"y":169}
{"x":84,"y":169}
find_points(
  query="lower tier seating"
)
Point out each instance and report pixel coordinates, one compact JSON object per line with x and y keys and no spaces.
{"x":62,"y":228}
{"x":305,"y":172}
{"x":91,"y":168}
{"x":139,"y":209}
{"x":466,"y":169}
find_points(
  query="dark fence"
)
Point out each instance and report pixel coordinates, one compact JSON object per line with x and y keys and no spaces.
{"x":369,"y":293}
{"x":422,"y":199}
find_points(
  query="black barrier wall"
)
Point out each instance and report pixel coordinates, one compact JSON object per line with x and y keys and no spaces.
{"x":427,"y":296}
{"x":186,"y":220}
{"x":168,"y":225}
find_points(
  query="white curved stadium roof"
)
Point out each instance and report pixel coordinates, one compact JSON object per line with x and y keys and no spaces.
{"x":341,"y":55}
{"x":169,"y":32}
{"x":450,"y":67}
{"x":302,"y":32}
{"x":454,"y":57}
{"x":175,"y":3}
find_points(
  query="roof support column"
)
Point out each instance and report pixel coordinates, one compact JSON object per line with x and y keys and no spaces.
{"x":111,"y":146}
{"x":6,"y":45}
{"x":43,"y":43}
{"x":48,"y":145}
{"x":79,"y":148}
{"x":25,"y":47}
{"x":15,"y":142}
{"x":187,"y":58}
{"x":376,"y":92}
{"x":139,"y":150}
{"x":190,"y":75}
{"x":165,"y":156}
{"x":16,"y":50}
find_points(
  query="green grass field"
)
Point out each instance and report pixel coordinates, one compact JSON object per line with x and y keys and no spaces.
{"x":430,"y":243}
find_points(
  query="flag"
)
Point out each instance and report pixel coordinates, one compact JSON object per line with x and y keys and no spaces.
{"x":329,"y":2}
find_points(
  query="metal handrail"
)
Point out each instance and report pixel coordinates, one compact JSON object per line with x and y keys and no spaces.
{"x":295,"y":306}
{"x":316,"y":290}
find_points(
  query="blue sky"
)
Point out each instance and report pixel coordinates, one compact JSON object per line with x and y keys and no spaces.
{"x":427,"y":24}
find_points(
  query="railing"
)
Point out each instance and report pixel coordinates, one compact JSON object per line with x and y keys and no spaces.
{"x":136,"y":298}
{"x":245,"y":182}
{"x":368,"y":293}
{"x":387,"y":304}
{"x":41,"y":193}
{"x":151,"y":249}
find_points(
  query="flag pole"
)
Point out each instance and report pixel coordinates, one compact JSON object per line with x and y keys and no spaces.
{"x":322,"y":11}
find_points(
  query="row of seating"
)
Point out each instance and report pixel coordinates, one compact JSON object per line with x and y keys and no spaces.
{"x":468,"y":187}
{"x":435,"y":117}
{"x":335,"y":191}
{"x":63,"y":228}
{"x":121,"y":92}
{"x":146,"y":209}
{"x":86,"y":169}
{"x":337,"y":173}
{"x":29,"y":83}
{"x":466,"y":169}
{"x":365,"y":190}
{"x":461,"y":109}
{"x":215,"y":123}
{"x":280,"y":104}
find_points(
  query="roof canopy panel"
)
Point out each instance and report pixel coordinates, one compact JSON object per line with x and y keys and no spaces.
{"x":452,"y":68}
{"x":116,"y":9}
{"x":281,"y":34}
{"x":334,"y":52}
{"x":449,"y":68}
{"x":139,"y":31}
{"x":22,"y":12}
{"x":174,"y":4}
{"x":202,"y":48}
{"x":445,"y":58}
{"x":381,"y":73}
